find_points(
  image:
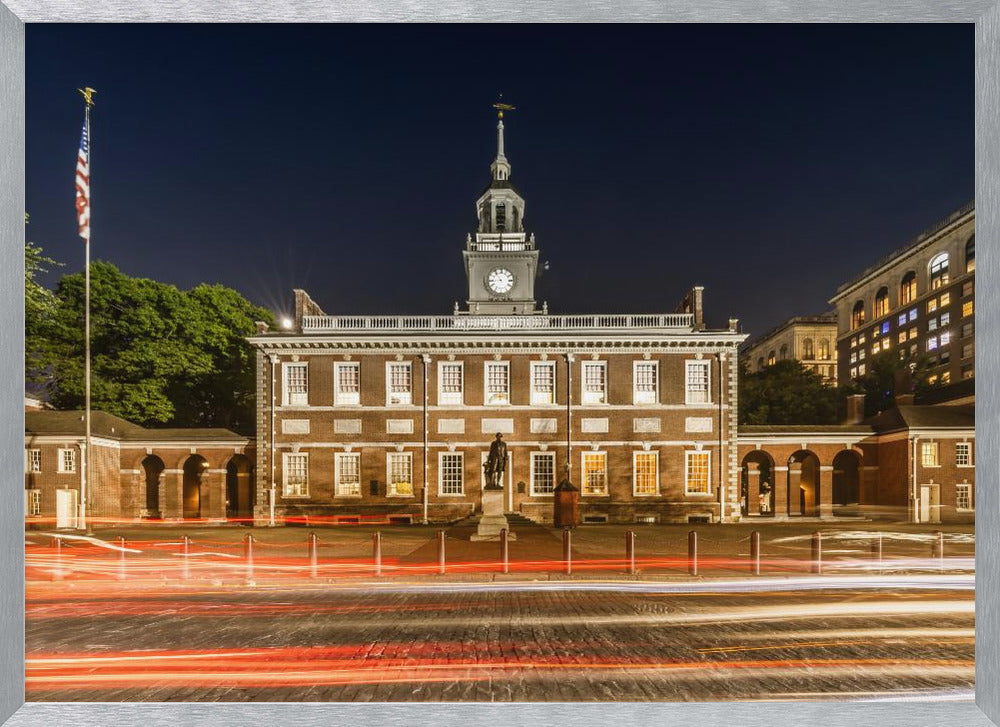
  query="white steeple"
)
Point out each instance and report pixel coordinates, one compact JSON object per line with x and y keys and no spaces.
{"x":500,"y":168}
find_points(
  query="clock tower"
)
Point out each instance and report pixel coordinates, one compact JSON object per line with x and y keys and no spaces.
{"x":501,"y":260}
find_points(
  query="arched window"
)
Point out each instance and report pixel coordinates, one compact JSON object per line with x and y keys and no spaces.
{"x":858,"y":315}
{"x":501,"y":217}
{"x":882,"y":302}
{"x":939,"y":271}
{"x":824,"y":349}
{"x":770,"y":358}
{"x":807,"y":349}
{"x":515,"y":226}
{"x":783,"y":352}
{"x":760,"y":363}
{"x":908,"y":288}
{"x":970,"y":255}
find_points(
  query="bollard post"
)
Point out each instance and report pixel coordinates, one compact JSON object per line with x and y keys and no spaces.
{"x":692,"y":553}
{"x":313,"y":555}
{"x":57,"y":572}
{"x":441,"y":552}
{"x":755,"y":553}
{"x":939,"y":546}
{"x":377,"y":552}
{"x":630,"y":551}
{"x":817,"y":552}
{"x":121,"y":558}
{"x":248,"y":554}
{"x":185,"y":550}
{"x":877,"y":551}
{"x":568,"y":550}
{"x":504,"y":553}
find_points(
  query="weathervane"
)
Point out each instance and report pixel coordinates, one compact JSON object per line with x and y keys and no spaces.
{"x":500,"y":106}
{"x":88,"y":95}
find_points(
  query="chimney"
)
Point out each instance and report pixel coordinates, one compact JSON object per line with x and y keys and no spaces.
{"x":692,"y":304}
{"x":855,"y":409}
{"x":305,"y":306}
{"x":734,"y":325}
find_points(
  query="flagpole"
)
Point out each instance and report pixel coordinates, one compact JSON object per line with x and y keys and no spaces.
{"x":85,"y":481}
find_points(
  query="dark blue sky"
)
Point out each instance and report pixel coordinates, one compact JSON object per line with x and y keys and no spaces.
{"x":767,"y":163}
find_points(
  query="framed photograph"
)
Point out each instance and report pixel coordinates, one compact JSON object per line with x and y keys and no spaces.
{"x":424,"y":367}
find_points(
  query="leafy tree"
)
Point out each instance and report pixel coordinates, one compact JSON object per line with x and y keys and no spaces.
{"x":788,"y":393}
{"x":39,"y":304}
{"x":887,"y":375}
{"x":159,"y":355}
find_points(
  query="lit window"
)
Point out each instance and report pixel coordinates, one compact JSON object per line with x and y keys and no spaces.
{"x":913,"y":314}
{"x":595,"y":473}
{"x":875,"y":348}
{"x":928,"y":454}
{"x":932,"y":324}
{"x":854,"y":341}
{"x":885,"y":344}
{"x":497,"y":383}
{"x":450,"y":383}
{"x":696,"y":473}
{"x":885,"y":328}
{"x":932,"y":343}
{"x":945,"y":338}
{"x":902,"y":337}
{"x":697,"y":382}
{"x":450,"y":473}
{"x":908,"y":288}
{"x":913,"y":332}
{"x":645,"y":473}
{"x":347,"y":474}
{"x":34,"y":463}
{"x":969,"y":372}
{"x":854,"y":356}
{"x":771,"y":358}
{"x":400,"y":474}
{"x":967,"y":287}
{"x":963,"y":497}
{"x":970,"y":255}
{"x":594,"y":382}
{"x":861,"y":370}
{"x":945,"y":319}
{"x":543,"y":382}
{"x":967,"y":308}
{"x":939,"y":271}
{"x":882,"y":302}
{"x":543,"y":465}
{"x":861,"y":339}
{"x":67,"y":460}
{"x":645,"y":377}
{"x":875,"y":331}
{"x":945,"y":299}
{"x":861,"y":354}
{"x":348,"y":383}
{"x":945,"y":375}
{"x":858,"y":315}
{"x":963,"y":454}
{"x":34,"y":508}
{"x":399,"y":384}
{"x":854,"y":373}
{"x":902,"y":319}
{"x":296,"y":475}
{"x":296,"y":384}
{"x":824,"y":349}
{"x":932,"y":305}
{"x":807,"y":349}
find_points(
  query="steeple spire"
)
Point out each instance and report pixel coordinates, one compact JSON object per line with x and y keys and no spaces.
{"x":500,"y":166}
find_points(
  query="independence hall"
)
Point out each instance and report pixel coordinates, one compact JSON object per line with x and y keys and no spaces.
{"x":363,"y":415}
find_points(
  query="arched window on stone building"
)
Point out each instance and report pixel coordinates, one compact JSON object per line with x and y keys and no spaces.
{"x":824,"y":349}
{"x":939,"y":270}
{"x":858,"y":315}
{"x":807,"y":349}
{"x":770,"y":358}
{"x":908,"y":288}
{"x":882,"y":302}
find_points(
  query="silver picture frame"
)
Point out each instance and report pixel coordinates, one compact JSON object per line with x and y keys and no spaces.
{"x":985,"y":14}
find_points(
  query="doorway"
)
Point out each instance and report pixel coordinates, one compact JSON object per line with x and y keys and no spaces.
{"x":66,"y":503}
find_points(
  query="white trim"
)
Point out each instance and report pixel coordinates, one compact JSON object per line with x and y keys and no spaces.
{"x":583,"y":473}
{"x":388,"y":381}
{"x":656,"y":471}
{"x":344,"y":400}
{"x":713,"y":408}
{"x":656,"y":387}
{"x":687,"y":457}
{"x":531,"y":473}
{"x":29,"y":455}
{"x":532,"y":366}
{"x":61,"y":461}
{"x":461,"y":394}
{"x":302,"y":398}
{"x":337,"y":458}
{"x":688,"y":366}
{"x":285,"y":456}
{"x":478,"y":444}
{"x":486,"y":383}
{"x":440,"y":478}
{"x":389,"y":484}
{"x":583,"y":384}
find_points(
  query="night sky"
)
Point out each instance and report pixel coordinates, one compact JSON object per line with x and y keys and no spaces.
{"x":767,"y":163}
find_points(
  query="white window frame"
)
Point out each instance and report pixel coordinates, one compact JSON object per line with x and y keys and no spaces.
{"x":967,"y":488}
{"x":390,"y":485}
{"x":656,"y":472}
{"x":645,"y":397}
{"x":539,"y":398}
{"x":925,"y":450}
{"x":299,"y":398}
{"x":33,"y":460}
{"x":338,"y":469}
{"x":285,"y":485}
{"x":346,"y":398}
{"x":689,"y":454}
{"x":967,"y":446}
{"x":67,"y":461}
{"x":451,"y":398}
{"x":461,"y":474}
{"x":487,"y":365}
{"x":531,"y":480}
{"x":33,"y":507}
{"x":583,"y":473}
{"x":403,"y":398}
{"x":592,"y":398}
{"x":689,"y":365}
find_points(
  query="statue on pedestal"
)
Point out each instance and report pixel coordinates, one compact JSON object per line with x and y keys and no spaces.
{"x":496,"y":463}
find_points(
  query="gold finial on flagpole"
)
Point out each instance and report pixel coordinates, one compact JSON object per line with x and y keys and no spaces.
{"x":500,"y":106}
{"x":88,"y":95}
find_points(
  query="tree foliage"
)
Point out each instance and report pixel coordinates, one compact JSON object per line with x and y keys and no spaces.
{"x":788,"y":393}
{"x":159,"y":355}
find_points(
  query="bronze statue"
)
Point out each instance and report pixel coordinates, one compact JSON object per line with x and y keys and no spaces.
{"x":496,"y":463}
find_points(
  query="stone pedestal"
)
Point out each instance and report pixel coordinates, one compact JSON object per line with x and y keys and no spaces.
{"x":493,"y":520}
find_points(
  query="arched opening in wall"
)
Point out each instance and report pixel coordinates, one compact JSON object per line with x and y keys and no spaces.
{"x":761,"y":495}
{"x":807,"y":350}
{"x":939,"y":271}
{"x":515,"y":220}
{"x":770,"y":358}
{"x":152,"y":469}
{"x":846,"y":479}
{"x":194,"y":471}
{"x":908,"y":288}
{"x":823,"y":354}
{"x":501,"y":218}
{"x":882,"y":302}
{"x":803,"y":484}
{"x":858,"y":315}
{"x":239,"y":490}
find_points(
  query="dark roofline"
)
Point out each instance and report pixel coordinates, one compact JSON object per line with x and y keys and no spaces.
{"x":912,"y":243}
{"x":828,"y":317}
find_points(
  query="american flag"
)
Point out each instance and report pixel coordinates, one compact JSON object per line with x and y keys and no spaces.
{"x":83,"y":185}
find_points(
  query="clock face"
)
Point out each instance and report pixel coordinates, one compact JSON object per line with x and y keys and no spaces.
{"x":500,"y":280}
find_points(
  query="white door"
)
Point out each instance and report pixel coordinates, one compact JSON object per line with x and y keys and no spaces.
{"x":66,"y":508}
{"x":925,"y":503}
